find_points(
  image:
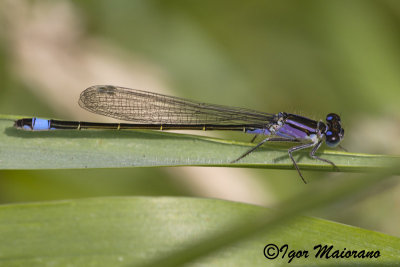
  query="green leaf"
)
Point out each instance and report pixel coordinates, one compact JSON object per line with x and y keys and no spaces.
{"x":129,"y":231}
{"x":108,"y":148}
{"x":318,"y":195}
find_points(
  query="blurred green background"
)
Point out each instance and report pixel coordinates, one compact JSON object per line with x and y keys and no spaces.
{"x":306,"y":57}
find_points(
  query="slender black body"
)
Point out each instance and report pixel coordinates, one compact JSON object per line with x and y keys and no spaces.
{"x":31,"y":124}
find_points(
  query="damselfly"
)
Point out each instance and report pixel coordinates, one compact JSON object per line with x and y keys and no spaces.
{"x":160,"y":112}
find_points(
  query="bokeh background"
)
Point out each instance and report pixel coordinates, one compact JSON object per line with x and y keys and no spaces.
{"x":306,"y":57}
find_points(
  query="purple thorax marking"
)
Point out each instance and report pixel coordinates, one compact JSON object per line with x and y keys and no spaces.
{"x":259,"y":131}
{"x":302,"y":125}
{"x":288,"y":131}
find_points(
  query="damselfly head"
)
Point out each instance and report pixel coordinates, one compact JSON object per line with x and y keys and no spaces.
{"x":334,"y":132}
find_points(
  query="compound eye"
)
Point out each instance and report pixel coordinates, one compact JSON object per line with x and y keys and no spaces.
{"x":332,"y":139}
{"x":331,"y":117}
{"x":334,"y":133}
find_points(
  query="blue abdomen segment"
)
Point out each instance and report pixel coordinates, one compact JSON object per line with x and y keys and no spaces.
{"x":37,"y":124}
{"x":40,"y":124}
{"x":34,"y":124}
